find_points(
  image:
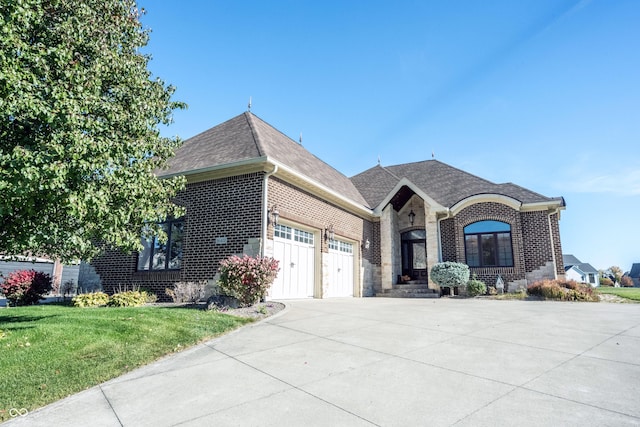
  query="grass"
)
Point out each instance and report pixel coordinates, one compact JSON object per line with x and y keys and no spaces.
{"x":50,"y":351}
{"x":628,"y":293}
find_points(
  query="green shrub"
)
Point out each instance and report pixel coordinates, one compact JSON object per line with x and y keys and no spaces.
{"x":562,"y":290}
{"x":450,"y":274}
{"x":476,"y":287}
{"x":128,"y":299}
{"x":92,"y":299}
{"x":247,"y":279}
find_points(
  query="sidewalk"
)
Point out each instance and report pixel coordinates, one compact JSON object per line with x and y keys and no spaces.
{"x":389,"y":362}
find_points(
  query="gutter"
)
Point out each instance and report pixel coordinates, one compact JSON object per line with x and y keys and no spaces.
{"x":265,"y":209}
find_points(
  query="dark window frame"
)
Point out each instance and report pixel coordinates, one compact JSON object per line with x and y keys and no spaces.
{"x":153,"y":245}
{"x":474,"y":240}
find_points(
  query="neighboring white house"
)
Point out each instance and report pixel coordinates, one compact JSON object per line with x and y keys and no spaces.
{"x":579,"y":271}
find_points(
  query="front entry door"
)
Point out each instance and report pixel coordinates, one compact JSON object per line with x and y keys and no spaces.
{"x":414,"y":255}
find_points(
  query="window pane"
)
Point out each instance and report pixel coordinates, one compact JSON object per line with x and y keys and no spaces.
{"x":159,"y":261}
{"x":487,"y":243}
{"x":473,"y":253}
{"x":414,"y":235}
{"x":346,"y":247}
{"x":282,"y":231}
{"x":175,"y":260}
{"x":419,"y":256}
{"x":505,"y":257}
{"x":145,"y":255}
{"x":487,"y":227}
{"x":302,"y":236}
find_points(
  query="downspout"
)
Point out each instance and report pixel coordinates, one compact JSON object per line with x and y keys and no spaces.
{"x":440,"y":234}
{"x":265,"y":208}
{"x":553,"y":248}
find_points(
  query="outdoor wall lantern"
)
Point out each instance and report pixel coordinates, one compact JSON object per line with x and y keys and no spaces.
{"x":328,"y":233}
{"x":412,"y":216}
{"x":273,"y":215}
{"x":367,"y":244}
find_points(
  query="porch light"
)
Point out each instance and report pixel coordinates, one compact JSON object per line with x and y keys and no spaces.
{"x":328,"y":233}
{"x":412,"y":216}
{"x":273,"y":215}
{"x":367,"y":244}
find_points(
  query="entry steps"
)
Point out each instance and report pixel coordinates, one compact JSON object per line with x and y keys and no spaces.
{"x":409,"y":290}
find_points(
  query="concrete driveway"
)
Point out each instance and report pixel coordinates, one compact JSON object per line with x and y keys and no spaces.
{"x":388,"y":362}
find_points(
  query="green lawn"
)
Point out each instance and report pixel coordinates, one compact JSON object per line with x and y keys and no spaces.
{"x":50,"y":351}
{"x":629,"y":293}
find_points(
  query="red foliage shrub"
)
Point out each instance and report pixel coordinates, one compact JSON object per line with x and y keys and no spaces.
{"x":626,"y":281}
{"x":25,"y":287}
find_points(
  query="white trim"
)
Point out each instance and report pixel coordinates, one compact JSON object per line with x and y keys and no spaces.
{"x":249,"y":162}
{"x":437,"y":207}
{"x":284,"y":170}
{"x":484,"y":198}
{"x":265,"y":208}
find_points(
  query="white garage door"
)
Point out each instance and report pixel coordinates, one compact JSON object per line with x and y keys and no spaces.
{"x":295,"y":250}
{"x":340,"y":274}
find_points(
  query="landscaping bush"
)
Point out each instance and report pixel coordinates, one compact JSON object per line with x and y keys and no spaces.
{"x":128,"y":299}
{"x":93,"y":299}
{"x":247,"y":278}
{"x":190,"y":292}
{"x":605,"y":281}
{"x":25,"y":287}
{"x":68,"y":288}
{"x":562,"y":290}
{"x":476,"y":287}
{"x":626,"y":282}
{"x":450,"y":274}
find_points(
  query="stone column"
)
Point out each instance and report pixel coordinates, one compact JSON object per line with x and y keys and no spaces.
{"x":431,"y":227}
{"x":387,"y":246}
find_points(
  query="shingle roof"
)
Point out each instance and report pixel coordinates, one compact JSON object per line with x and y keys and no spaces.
{"x":571,"y":261}
{"x":568,"y":260}
{"x":246,"y":137}
{"x":635,"y":270}
{"x":443,"y":183}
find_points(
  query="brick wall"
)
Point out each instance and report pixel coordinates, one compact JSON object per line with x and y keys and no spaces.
{"x":497,"y":212}
{"x":530,"y":235}
{"x":227,"y":208}
{"x":307,"y":209}
{"x":448,"y":240}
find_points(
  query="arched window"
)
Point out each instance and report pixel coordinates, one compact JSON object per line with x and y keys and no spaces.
{"x":488,"y":244}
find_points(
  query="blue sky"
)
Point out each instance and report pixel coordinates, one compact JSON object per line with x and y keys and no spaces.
{"x":541,"y":93}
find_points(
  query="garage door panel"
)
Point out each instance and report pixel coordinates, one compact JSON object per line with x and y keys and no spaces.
{"x":296,"y":257}
{"x":340,"y":265}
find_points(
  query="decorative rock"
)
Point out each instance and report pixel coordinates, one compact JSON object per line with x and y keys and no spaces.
{"x":217,"y":302}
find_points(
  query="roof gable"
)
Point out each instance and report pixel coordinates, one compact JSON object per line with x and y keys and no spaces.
{"x":568,"y":259}
{"x":445,"y":184}
{"x":246,"y":137}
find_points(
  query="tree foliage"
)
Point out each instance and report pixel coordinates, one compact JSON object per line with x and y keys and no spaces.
{"x":616,"y":272}
{"x":79,"y":128}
